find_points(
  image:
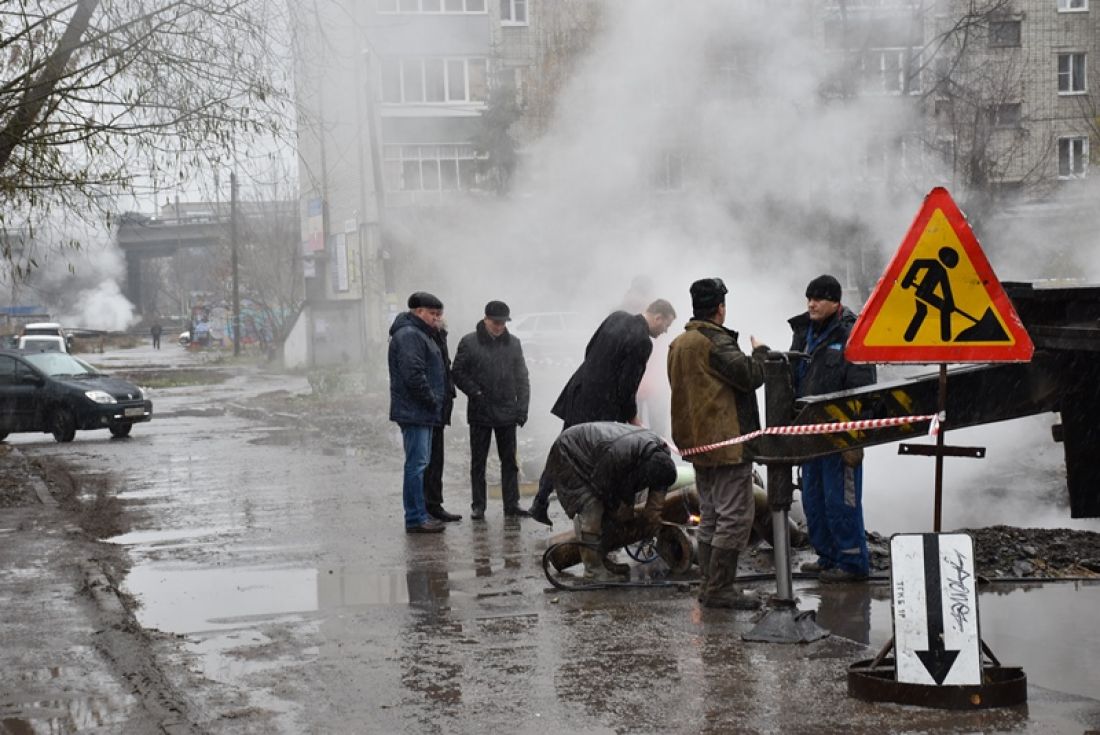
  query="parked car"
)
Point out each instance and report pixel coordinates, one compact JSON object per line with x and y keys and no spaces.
{"x":42,"y":343}
{"x":552,"y":335}
{"x":57,"y":393}
{"x":51,"y":329}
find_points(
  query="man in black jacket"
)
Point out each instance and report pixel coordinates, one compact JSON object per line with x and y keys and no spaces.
{"x":604,"y":387}
{"x":599,"y":469}
{"x":832,"y":486}
{"x":489,"y":368}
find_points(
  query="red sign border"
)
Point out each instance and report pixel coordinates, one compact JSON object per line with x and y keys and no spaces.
{"x":857,"y":351}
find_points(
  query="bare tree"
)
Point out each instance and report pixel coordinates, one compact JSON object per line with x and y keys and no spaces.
{"x":99,"y":99}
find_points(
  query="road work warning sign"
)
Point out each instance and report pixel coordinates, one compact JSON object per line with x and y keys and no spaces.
{"x":935,"y":603}
{"x":938,"y":300}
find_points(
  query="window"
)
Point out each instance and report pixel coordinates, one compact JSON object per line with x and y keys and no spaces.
{"x":7,"y":370}
{"x":513,"y":12}
{"x":436,"y":81}
{"x":1073,"y":157}
{"x":1066,"y":6}
{"x":431,"y":6}
{"x":1004,"y":32}
{"x":885,"y":71}
{"x":430,"y":167}
{"x":1006,"y":115}
{"x":1071,"y":73}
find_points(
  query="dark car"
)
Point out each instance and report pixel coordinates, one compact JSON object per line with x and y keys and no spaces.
{"x":56,"y":393}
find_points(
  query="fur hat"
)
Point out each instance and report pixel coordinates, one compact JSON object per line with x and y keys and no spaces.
{"x":424,"y":300}
{"x":498,"y":311}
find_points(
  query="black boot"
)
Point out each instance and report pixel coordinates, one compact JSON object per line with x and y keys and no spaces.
{"x":722,"y":588}
{"x":540,"y":512}
{"x":704,"y":569}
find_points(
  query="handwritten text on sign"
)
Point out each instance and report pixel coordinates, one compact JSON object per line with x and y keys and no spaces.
{"x":935,"y":605}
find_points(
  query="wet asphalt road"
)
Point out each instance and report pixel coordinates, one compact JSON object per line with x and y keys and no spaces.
{"x":298,"y":604}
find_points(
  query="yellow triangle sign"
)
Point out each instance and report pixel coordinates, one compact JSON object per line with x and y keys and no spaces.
{"x":938,"y":300}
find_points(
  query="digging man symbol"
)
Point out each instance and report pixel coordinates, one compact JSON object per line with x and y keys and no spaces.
{"x":931,"y":286}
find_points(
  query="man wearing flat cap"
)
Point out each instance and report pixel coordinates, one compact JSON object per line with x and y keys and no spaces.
{"x":832,"y":486}
{"x":489,"y":368}
{"x":417,"y":396}
{"x":713,"y":399}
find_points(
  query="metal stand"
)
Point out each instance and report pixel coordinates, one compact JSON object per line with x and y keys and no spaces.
{"x":782,"y":622}
{"x":875,"y":680}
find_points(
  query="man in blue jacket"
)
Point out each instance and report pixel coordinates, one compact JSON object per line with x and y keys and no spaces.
{"x":832,"y":486}
{"x":417,"y":395}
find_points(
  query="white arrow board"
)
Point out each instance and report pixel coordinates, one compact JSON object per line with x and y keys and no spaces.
{"x":936,"y":639}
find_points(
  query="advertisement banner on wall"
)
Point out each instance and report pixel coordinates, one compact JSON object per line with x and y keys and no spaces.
{"x":313,"y":229}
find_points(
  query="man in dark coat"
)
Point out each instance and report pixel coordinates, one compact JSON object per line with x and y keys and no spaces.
{"x":599,"y":469}
{"x":433,"y":476}
{"x":604,"y":387}
{"x":832,"y":486}
{"x":417,"y":387}
{"x":489,"y":368}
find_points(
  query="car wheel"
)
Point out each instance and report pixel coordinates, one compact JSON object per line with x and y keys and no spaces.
{"x":121,"y":430}
{"x":62,"y":425}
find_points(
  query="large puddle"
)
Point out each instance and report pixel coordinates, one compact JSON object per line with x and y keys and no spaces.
{"x":1048,"y":629}
{"x":190,"y":601}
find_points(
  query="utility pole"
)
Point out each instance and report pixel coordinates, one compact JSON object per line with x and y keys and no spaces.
{"x":236,"y":280}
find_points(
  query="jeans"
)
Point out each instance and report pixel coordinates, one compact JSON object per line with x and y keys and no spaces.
{"x":418,"y":449}
{"x":480,"y":437}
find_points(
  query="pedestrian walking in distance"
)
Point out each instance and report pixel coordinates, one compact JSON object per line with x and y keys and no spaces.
{"x":489,"y":368}
{"x":156,"y":331}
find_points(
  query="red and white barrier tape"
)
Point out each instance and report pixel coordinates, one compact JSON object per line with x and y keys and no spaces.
{"x":834,"y":428}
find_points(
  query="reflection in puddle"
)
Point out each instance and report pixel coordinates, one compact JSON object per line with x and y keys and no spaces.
{"x":160,"y":536}
{"x":78,"y":714}
{"x":185,"y":601}
{"x":1048,"y":629}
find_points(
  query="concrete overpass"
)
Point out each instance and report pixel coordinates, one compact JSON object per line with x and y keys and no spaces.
{"x":141,"y":237}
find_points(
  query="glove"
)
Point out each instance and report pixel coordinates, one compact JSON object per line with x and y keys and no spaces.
{"x":852,"y":457}
{"x":623,"y":514}
{"x":521,"y":421}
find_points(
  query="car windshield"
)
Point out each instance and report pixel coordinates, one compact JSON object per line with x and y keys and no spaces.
{"x":60,"y":363}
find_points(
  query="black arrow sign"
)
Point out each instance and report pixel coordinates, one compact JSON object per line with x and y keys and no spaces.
{"x":937,"y":659}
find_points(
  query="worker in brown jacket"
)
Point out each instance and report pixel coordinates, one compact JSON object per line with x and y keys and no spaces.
{"x":713,"y":399}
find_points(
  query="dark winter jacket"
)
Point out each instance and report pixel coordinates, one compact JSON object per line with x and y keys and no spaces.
{"x":826,"y":370}
{"x":713,"y":391}
{"x":417,"y":382}
{"x":491,"y":371}
{"x":605,"y":459}
{"x":604,"y":387}
{"x":440,"y":337}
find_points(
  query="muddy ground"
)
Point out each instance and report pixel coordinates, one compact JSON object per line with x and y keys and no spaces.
{"x":338,"y":416}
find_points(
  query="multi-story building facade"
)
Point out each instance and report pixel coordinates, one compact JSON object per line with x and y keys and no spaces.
{"x":992,"y":98}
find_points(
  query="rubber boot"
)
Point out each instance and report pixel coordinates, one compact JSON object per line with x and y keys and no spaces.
{"x":704,"y":569}
{"x":722,"y":588}
{"x":594,"y":561}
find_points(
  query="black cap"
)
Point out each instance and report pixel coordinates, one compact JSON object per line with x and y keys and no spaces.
{"x":708,"y":293}
{"x":660,"y":471}
{"x":498,"y":311}
{"x":424,"y":300}
{"x":825,"y":288}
